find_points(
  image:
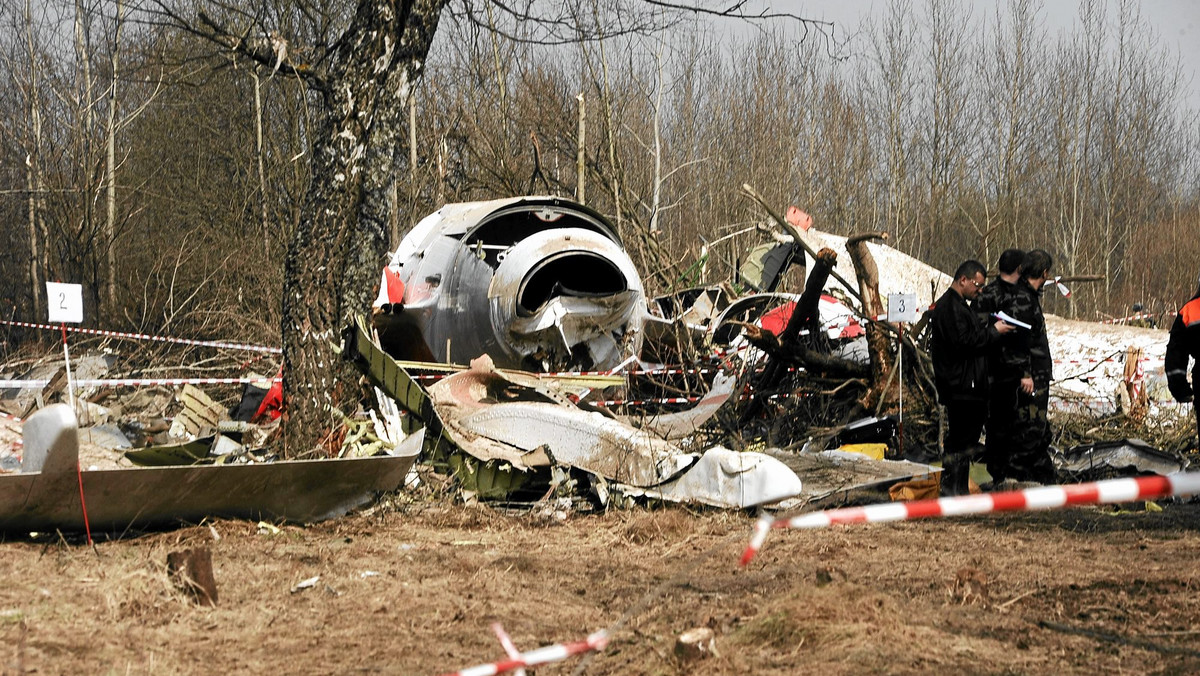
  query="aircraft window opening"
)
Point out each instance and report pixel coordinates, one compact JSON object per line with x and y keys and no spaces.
{"x":581,"y":275}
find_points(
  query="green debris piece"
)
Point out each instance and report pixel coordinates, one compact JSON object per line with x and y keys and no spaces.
{"x":187,"y":453}
{"x":384,"y":372}
{"x":488,"y":480}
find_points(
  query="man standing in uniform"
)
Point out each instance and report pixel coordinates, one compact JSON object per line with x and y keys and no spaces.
{"x":1029,"y":459}
{"x":959,"y":344}
{"x":1183,"y":343}
{"x":1004,"y":364}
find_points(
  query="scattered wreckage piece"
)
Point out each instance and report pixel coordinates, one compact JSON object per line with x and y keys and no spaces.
{"x":539,"y":283}
{"x":801,"y":342}
{"x":682,"y":424}
{"x":1125,"y":457}
{"x":730,"y":479}
{"x":843,"y":476}
{"x":516,"y":418}
{"x":46,"y":493}
{"x":518,"y":422}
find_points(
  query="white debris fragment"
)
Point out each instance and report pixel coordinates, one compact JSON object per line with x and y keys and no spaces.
{"x":306,"y":584}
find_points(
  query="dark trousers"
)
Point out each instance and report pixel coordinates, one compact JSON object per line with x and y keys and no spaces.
{"x":1029,"y":459}
{"x":1001,"y":421}
{"x":964,"y":423}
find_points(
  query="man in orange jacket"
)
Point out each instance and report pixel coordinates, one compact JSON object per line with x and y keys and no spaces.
{"x":1184,"y":343}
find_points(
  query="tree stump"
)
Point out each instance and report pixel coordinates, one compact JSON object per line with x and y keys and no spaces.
{"x":191,"y":571}
{"x":695,"y":644}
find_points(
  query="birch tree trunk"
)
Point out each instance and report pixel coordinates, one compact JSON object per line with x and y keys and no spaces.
{"x":33,"y":175}
{"x":110,"y":170}
{"x":334,"y":257}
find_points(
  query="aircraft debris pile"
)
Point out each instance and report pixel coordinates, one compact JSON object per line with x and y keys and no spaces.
{"x":580,"y":388}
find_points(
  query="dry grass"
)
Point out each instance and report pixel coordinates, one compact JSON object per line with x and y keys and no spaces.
{"x":413,"y":591}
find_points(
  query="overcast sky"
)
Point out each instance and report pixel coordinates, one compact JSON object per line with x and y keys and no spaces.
{"x":1177,"y":23}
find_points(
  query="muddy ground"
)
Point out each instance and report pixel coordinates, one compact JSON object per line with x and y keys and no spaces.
{"x":410,"y":587}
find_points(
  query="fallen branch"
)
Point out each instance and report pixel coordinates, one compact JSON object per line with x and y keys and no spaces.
{"x":752,"y":194}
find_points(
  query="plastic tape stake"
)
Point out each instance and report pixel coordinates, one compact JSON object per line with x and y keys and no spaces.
{"x":554,"y":653}
{"x":1028,"y":500}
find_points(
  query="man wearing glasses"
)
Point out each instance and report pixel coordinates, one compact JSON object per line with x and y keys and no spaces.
{"x":959,"y":343}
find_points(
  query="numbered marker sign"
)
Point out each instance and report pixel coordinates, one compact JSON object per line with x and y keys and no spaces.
{"x":902,"y":307}
{"x":66,"y":302}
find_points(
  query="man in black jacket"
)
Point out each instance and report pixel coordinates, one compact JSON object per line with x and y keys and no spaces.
{"x":959,"y":342}
{"x":1184,"y":343}
{"x":1029,"y":455}
{"x":1004,"y":364}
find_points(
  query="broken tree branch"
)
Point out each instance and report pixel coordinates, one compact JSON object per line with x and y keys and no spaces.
{"x":878,"y":345}
{"x":753,"y":194}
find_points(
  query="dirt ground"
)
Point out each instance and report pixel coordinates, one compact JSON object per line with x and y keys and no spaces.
{"x":411,"y":587}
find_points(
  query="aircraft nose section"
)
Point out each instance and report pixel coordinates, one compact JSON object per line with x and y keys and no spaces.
{"x":567,"y":297}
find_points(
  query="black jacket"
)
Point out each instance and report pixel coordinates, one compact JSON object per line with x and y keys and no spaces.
{"x":959,"y":342}
{"x":1008,"y":359}
{"x":1032,"y":346}
{"x":1183,"y":343}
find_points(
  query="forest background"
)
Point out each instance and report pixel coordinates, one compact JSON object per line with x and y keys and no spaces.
{"x":167,"y":177}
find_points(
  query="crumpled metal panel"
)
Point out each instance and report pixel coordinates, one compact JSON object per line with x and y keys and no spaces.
{"x":731,"y":479}
{"x":582,"y":439}
{"x":831,"y":474}
{"x":682,"y":424}
{"x":1126,"y":455}
{"x":46,"y":494}
{"x":502,"y":415}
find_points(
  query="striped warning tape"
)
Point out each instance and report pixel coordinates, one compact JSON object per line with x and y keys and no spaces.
{"x":506,"y":642}
{"x":643,"y":402}
{"x":546,"y":655}
{"x":665,"y":370}
{"x":1101,"y":360}
{"x":132,"y":382}
{"x":1130,"y":318}
{"x":10,"y":417}
{"x":144,"y":336}
{"x":1030,"y":499}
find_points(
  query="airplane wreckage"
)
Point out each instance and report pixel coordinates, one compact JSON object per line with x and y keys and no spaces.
{"x":578,"y":384}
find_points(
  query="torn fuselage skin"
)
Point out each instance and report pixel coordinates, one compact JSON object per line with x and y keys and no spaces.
{"x":538,"y":283}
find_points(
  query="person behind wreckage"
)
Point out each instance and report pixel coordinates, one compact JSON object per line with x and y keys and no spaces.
{"x":1183,"y":343}
{"x":1004,"y":364}
{"x":959,"y":343}
{"x":1028,"y":457}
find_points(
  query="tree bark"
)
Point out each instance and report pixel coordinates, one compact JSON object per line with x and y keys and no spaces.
{"x":110,"y":170}
{"x":33,"y":177}
{"x":868,"y":288}
{"x":334,"y":257}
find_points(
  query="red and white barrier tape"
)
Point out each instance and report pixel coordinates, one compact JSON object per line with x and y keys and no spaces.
{"x":506,"y":642}
{"x":132,"y":382}
{"x":672,"y":370}
{"x":1130,"y":318}
{"x":1101,"y":361}
{"x":643,"y":402}
{"x":143,"y":336}
{"x":10,"y":417}
{"x":546,"y":655}
{"x":1031,"y":499}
